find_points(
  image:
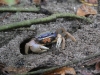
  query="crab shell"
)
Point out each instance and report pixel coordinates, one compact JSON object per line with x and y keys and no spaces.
{"x":46,"y":37}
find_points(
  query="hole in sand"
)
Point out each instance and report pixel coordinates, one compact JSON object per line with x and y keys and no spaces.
{"x":22,"y":45}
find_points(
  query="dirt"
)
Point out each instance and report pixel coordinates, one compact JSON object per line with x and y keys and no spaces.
{"x":87,"y":36}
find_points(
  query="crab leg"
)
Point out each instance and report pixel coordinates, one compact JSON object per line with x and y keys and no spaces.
{"x":67,"y":34}
{"x":70,"y":36}
{"x":59,"y":40}
{"x":63,"y":43}
{"x":27,"y":48}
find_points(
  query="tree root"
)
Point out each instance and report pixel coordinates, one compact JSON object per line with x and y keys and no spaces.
{"x":42,"y":20}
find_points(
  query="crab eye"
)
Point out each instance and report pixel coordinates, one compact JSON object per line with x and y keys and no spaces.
{"x":52,"y":33}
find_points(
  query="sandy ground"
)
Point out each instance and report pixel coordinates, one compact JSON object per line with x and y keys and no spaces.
{"x":87,"y":36}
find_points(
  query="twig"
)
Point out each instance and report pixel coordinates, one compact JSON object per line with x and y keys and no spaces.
{"x":26,"y":9}
{"x":41,"y":20}
{"x":19,"y":9}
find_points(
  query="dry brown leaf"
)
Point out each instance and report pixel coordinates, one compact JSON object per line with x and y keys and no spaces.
{"x":61,"y":71}
{"x":84,"y":10}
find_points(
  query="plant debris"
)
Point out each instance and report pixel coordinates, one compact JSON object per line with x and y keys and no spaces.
{"x":85,"y":10}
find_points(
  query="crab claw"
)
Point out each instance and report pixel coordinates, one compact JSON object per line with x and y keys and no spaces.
{"x":43,"y":47}
{"x":59,"y":40}
{"x":34,"y":47}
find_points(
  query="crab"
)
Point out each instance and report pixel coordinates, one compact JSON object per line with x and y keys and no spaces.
{"x":35,"y":47}
{"x":59,"y":36}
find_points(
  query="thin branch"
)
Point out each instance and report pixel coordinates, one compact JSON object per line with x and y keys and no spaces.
{"x":26,"y":9}
{"x":42,"y":20}
{"x":17,"y":9}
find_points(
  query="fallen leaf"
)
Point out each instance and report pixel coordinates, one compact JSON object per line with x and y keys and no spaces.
{"x":9,"y":2}
{"x":85,"y":10}
{"x":61,"y":71}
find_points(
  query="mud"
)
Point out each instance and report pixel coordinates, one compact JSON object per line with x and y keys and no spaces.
{"x":87,"y":36}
